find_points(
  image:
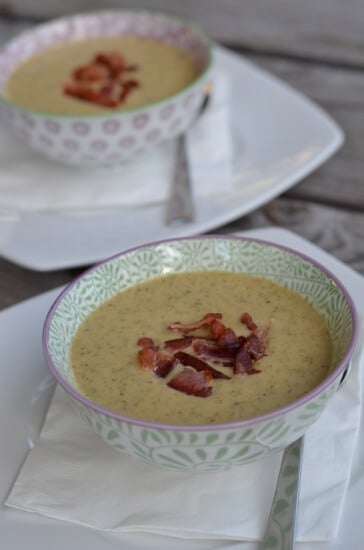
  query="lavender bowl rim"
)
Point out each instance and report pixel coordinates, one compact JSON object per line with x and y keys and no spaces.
{"x":339,"y":369}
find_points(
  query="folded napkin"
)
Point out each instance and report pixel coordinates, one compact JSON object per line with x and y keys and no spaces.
{"x":72,"y":475}
{"x":30,"y":182}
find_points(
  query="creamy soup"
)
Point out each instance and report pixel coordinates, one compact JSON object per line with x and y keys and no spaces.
{"x":107,"y":369}
{"x":160,"y":70}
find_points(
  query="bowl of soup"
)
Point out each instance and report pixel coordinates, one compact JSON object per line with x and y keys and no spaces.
{"x":99,"y":88}
{"x":201,"y":353}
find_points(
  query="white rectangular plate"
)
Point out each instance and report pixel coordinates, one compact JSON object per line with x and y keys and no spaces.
{"x":279,"y":137}
{"x":25,"y":390}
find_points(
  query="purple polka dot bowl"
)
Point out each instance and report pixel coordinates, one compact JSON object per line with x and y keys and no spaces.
{"x":202,"y":447}
{"x":111,"y":138}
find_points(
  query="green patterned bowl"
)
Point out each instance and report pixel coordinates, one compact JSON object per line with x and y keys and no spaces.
{"x":202,"y":447}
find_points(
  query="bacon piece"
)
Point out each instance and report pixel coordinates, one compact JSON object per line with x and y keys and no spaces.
{"x":152,"y":359}
{"x":257,"y":342}
{"x":89,"y":73}
{"x":86,"y":93}
{"x":243,"y":361}
{"x":262,"y":333}
{"x":80,"y":91}
{"x":127,"y":87}
{"x":253,"y":370}
{"x":147,"y":343}
{"x":114,"y":62}
{"x":165,"y":364}
{"x":105,"y":101}
{"x":247,"y":320}
{"x":224,"y":336}
{"x":210,"y":350}
{"x":192,"y":382}
{"x":110,"y":89}
{"x":252,"y":351}
{"x":178,"y":343}
{"x":255,"y":347}
{"x":197,"y":364}
{"x":205,"y":321}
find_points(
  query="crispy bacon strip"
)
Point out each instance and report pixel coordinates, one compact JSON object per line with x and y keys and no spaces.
{"x":152,"y":359}
{"x":80,"y":91}
{"x":243,"y":361}
{"x":114,"y":61}
{"x":247,"y":320}
{"x":127,"y":87}
{"x":262,"y":333}
{"x":210,"y":350}
{"x":178,"y":343}
{"x":224,"y":336}
{"x":251,"y":351}
{"x":89,"y":73}
{"x":205,"y":321}
{"x":197,"y":364}
{"x":257,"y":342}
{"x":147,"y":343}
{"x":192,"y":382}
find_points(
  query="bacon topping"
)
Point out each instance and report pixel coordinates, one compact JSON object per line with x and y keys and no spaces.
{"x":206,"y":320}
{"x":198,"y":365}
{"x":210,"y":350}
{"x":178,"y":343}
{"x":89,"y":73}
{"x":114,"y":62}
{"x":152,"y":359}
{"x":247,"y":320}
{"x":102,"y":80}
{"x":192,"y":382}
{"x":222,"y":346}
{"x":223,"y":335}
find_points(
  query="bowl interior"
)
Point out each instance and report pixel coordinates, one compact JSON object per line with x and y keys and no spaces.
{"x":109,"y":23}
{"x":258,"y":258}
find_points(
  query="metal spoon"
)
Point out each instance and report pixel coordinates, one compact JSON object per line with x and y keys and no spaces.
{"x":180,"y":208}
{"x":281,"y":528}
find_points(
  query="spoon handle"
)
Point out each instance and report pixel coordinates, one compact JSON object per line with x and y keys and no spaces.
{"x":180,"y":207}
{"x":281,"y":527}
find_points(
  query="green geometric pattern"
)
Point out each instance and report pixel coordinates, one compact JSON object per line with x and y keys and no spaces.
{"x":209,"y":449}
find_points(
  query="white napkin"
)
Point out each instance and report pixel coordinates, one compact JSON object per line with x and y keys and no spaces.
{"x":30,"y":182}
{"x":72,"y":475}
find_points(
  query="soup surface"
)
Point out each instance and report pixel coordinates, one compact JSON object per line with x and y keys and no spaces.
{"x":159,"y":69}
{"x":107,"y":369}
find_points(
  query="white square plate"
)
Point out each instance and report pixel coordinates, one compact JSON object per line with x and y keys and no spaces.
{"x":279,"y":137}
{"x":25,"y":390}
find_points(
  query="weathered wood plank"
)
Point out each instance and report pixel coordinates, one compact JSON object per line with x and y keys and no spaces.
{"x":340,"y":92}
{"x":336,"y":230}
{"x":18,"y":284}
{"x":329,"y":29}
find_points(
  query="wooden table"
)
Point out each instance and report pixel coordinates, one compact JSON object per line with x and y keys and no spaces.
{"x":316,"y":47}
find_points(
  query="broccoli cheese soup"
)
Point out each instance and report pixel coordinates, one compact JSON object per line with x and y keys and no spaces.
{"x":91,"y":76}
{"x":201,"y":348}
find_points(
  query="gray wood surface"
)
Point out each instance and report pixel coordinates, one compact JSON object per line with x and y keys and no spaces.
{"x":313,"y":29}
{"x":317,"y":47}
